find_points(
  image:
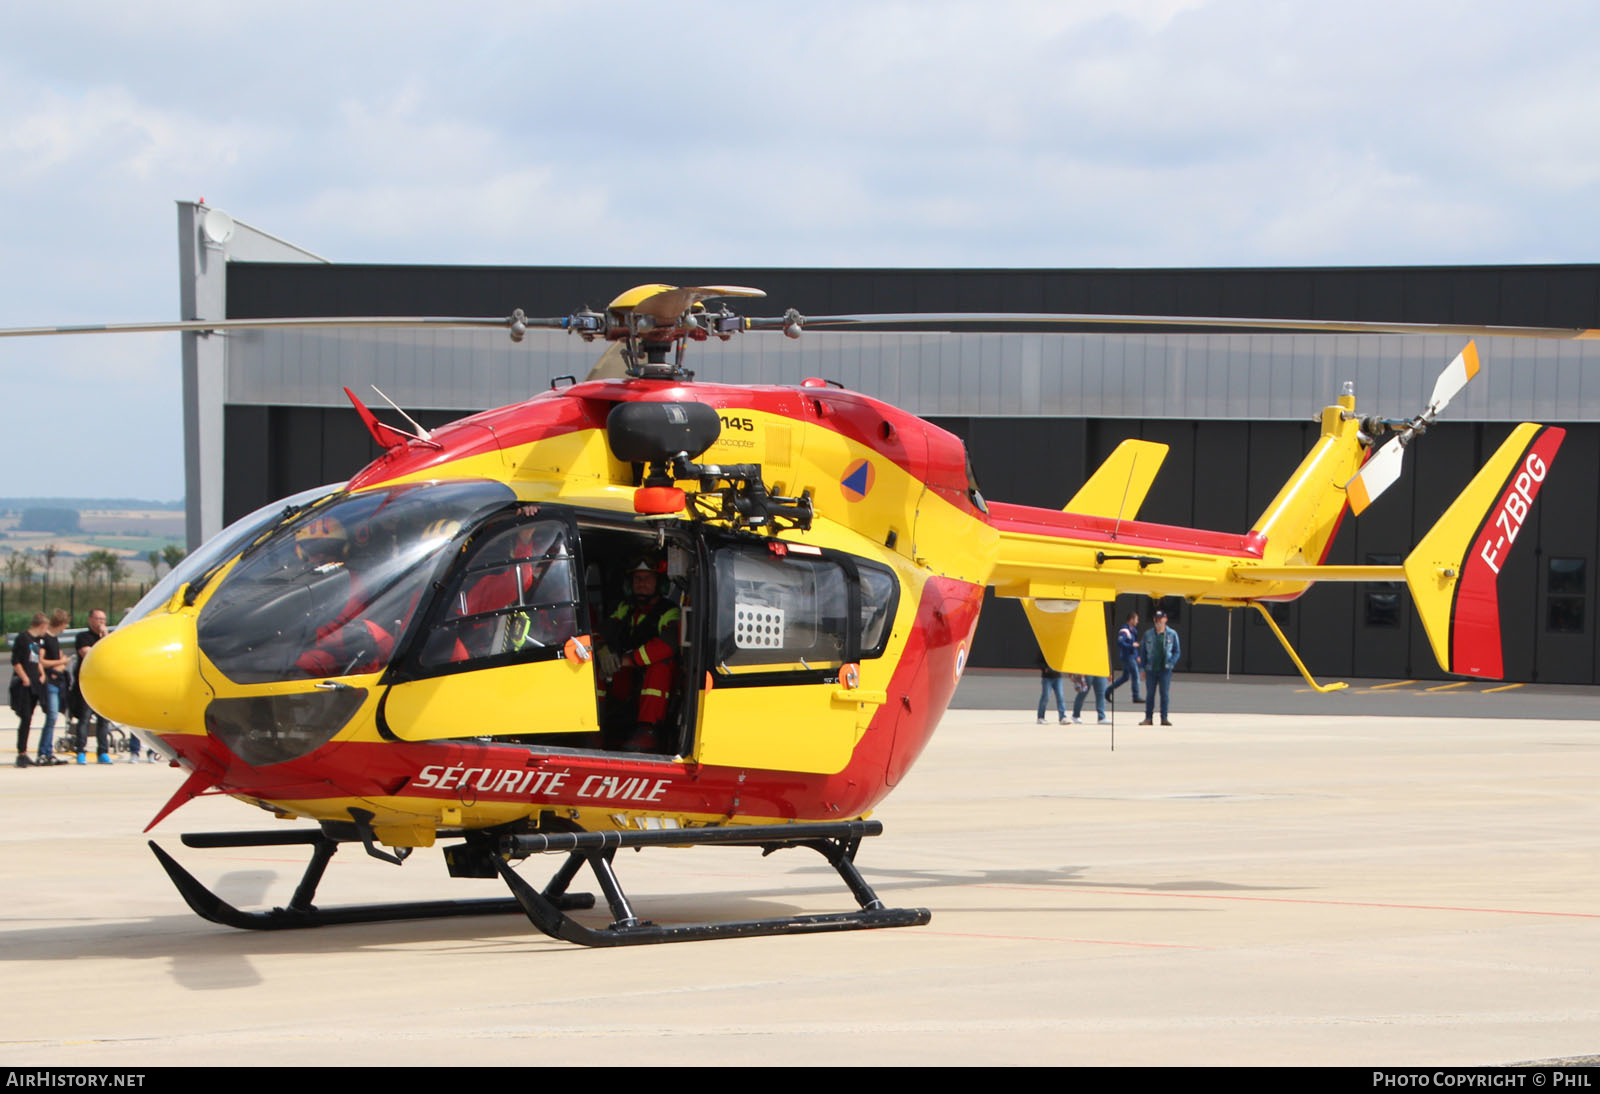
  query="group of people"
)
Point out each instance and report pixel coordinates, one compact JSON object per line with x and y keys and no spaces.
{"x":44,"y":677}
{"x":1149,"y":658}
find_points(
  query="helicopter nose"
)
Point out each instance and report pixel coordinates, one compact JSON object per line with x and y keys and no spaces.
{"x":147,"y":674}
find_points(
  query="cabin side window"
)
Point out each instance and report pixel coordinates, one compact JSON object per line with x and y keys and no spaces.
{"x":794,"y":611}
{"x":877,"y":592}
{"x":516,"y":599}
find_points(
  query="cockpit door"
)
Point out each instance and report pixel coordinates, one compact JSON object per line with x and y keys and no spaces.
{"x":504,"y":650}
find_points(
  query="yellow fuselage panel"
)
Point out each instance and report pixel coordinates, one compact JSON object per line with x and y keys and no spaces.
{"x":795,"y":728}
{"x":542,"y":697}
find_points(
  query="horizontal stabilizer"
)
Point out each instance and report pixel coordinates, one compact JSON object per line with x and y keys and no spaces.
{"x":1118,"y":486}
{"x":1071,"y":634}
{"x":1453,"y":573}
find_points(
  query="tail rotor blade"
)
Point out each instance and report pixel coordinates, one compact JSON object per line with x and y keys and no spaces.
{"x":1453,"y":379}
{"x":1376,"y":475}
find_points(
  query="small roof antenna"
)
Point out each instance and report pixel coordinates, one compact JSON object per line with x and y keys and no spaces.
{"x":423,"y":433}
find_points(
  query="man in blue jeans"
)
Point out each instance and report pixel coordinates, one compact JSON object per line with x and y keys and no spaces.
{"x":1161,"y":651}
{"x":1128,"y":651}
{"x":55,"y":684}
{"x":1050,"y":684}
{"x":1084,"y":685}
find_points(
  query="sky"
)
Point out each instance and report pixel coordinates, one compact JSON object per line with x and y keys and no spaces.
{"x":1009,"y":134}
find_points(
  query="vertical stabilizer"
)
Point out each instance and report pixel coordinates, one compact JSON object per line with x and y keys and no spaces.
{"x":1454,"y":572}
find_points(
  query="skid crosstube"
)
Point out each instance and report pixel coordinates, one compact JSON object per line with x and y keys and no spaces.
{"x":837,"y":842}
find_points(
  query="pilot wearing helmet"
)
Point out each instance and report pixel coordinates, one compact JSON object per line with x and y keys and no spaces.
{"x":637,"y":659}
{"x":346,"y":643}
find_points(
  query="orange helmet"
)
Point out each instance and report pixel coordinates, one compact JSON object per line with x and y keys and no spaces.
{"x":442,"y":529}
{"x":321,"y":536}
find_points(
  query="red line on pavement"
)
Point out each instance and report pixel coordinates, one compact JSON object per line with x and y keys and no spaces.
{"x":1044,"y":938}
{"x":1298,"y":900}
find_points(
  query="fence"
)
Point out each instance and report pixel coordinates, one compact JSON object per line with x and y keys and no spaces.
{"x":20,"y":599}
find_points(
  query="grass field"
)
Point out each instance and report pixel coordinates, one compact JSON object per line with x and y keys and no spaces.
{"x":130,"y":533}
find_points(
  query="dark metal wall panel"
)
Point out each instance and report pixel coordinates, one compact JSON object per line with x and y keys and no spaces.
{"x":296,"y":435}
{"x":1028,"y":462}
{"x":1570,"y":295}
{"x":346,"y":445}
{"x":1221,"y":459}
{"x":1573,"y":297}
{"x":1566,"y":522}
{"x":247,"y":459}
{"x":1221,"y":462}
{"x":1382,"y":535}
{"x":1171,"y":497}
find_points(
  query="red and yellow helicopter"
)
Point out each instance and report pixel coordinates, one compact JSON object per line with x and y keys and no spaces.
{"x":649,"y":610}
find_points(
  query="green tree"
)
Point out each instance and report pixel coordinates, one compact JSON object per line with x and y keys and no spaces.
{"x":172,"y":554}
{"x":154,"y":559}
{"x":20,"y":564}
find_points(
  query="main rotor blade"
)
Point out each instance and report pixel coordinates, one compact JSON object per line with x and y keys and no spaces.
{"x":277,"y":324}
{"x":1376,"y":475}
{"x":1197,"y":322}
{"x":1453,"y":379}
{"x":665,"y":302}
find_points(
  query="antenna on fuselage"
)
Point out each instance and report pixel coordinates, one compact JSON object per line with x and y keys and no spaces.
{"x":421,"y":432}
{"x":1123,"y":508}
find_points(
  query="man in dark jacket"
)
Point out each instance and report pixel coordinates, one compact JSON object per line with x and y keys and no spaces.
{"x":1161,"y":651}
{"x":1128,"y":651}
{"x":27,"y":680}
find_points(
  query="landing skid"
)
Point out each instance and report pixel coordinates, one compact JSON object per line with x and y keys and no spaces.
{"x":300,"y":911}
{"x":836,"y":842}
{"x":546,"y":909}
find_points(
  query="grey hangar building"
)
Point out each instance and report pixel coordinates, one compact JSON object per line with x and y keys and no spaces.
{"x":265,"y":415}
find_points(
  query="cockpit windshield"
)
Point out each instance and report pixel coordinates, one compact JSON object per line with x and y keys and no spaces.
{"x":331,"y":594}
{"x":221,"y":547}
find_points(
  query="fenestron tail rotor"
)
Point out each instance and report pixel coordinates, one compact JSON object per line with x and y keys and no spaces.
{"x":1383,"y":467}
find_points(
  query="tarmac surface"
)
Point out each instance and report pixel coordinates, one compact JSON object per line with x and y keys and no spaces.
{"x":1388,"y":876}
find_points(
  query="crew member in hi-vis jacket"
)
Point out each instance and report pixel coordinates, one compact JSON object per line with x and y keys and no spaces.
{"x":638,"y":658}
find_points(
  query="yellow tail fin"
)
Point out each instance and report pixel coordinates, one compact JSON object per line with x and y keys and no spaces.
{"x":1453,"y":572}
{"x":1118,"y":486}
{"x":1071,"y":633}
